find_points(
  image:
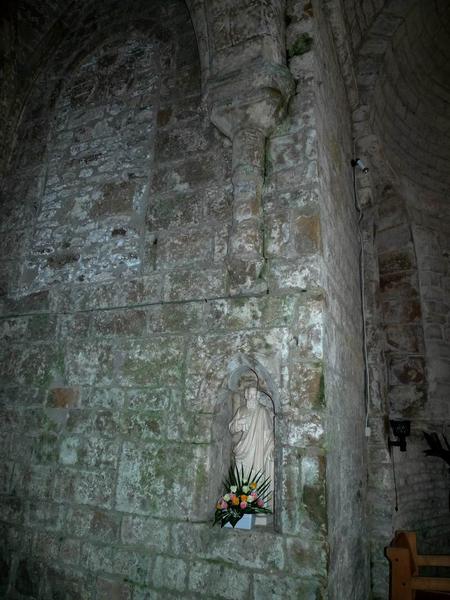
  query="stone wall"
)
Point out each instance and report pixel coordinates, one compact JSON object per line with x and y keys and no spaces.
{"x":121,"y":329}
{"x":343,"y":357}
{"x":25,"y":34}
{"x":430,"y":218}
{"x":409,"y":247}
{"x":410,"y":109}
{"x":398,"y":127}
{"x":179,"y":208}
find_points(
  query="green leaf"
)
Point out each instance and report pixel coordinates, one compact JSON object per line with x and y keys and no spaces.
{"x":236,"y":477}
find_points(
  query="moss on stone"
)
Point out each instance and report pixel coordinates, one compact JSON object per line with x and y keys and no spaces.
{"x":301,"y":45}
{"x":201,"y":477}
{"x":314,"y":501}
{"x":59,"y":362}
{"x":46,"y":448}
{"x":321,"y":392}
{"x":314,"y":493}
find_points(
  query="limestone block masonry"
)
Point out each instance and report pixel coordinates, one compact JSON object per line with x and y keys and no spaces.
{"x":177,"y":206}
{"x":125,"y":215}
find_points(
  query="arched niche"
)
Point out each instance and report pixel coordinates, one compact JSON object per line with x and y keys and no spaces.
{"x":239,"y":369}
{"x":97,"y":164}
{"x":100,"y":152}
{"x":106,"y":237}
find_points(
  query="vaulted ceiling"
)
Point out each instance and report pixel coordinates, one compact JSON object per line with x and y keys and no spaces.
{"x":395,"y":55}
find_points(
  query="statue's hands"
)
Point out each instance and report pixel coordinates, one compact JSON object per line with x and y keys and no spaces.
{"x":243,"y":424}
{"x":239,"y":425}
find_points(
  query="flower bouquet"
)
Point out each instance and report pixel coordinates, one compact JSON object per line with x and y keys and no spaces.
{"x":244,"y":494}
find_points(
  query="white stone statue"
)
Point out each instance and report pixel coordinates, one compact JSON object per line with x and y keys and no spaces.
{"x":252,"y":433}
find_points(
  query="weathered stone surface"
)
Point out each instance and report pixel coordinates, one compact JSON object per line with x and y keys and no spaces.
{"x":170,"y":573}
{"x":145,"y":256}
{"x":219,"y":545}
{"x":229,"y":583}
{"x":63,"y":398}
{"x":279,"y":587}
{"x":95,"y":489}
{"x":145,"y":531}
{"x":110,"y":589}
{"x":140,"y":484}
{"x":188,"y":284}
{"x":145,"y":364}
{"x":93,"y":524}
{"x":131,"y":565}
{"x":300,"y":275}
{"x":119,"y":323}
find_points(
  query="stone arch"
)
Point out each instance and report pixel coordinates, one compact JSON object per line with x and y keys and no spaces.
{"x":220,"y":453}
{"x":144,"y":27}
{"x":197,"y":10}
{"x":240,"y":364}
{"x":93,"y":127}
{"x":50,"y":83}
{"x":66,"y":27}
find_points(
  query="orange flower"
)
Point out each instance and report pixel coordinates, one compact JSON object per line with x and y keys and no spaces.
{"x":253,"y":485}
{"x":243,"y":498}
{"x":235,"y":501}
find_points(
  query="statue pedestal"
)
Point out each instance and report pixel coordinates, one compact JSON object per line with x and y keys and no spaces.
{"x":246,"y":522}
{"x":261,"y":520}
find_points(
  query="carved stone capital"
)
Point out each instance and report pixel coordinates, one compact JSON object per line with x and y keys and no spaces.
{"x":253,"y":98}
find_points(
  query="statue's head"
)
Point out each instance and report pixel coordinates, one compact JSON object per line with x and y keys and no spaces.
{"x":251,"y":395}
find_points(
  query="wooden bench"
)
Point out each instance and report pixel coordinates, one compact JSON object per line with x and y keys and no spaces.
{"x":406,"y":582}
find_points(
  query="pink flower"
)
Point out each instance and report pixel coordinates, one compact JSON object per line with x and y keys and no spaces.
{"x":223,"y":505}
{"x":260,"y":503}
{"x":243,"y":504}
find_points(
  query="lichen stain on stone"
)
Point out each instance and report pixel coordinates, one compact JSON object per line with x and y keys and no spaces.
{"x":308,"y":230}
{"x":46,"y":448}
{"x":305,"y":434}
{"x":117,"y":198}
{"x":301,"y":45}
{"x":308,"y":10}
{"x":415,"y":311}
{"x":142,"y":425}
{"x":321,"y":392}
{"x":164,"y":117}
{"x":60,"y":259}
{"x":395,"y":260}
{"x":335,"y":153}
{"x":201,"y":478}
{"x":313,"y":495}
{"x":63,"y":397}
{"x":68,"y":454}
{"x":410,"y":372}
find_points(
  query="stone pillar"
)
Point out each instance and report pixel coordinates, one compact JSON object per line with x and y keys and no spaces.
{"x":247,"y":86}
{"x":246,"y":253}
{"x":247,"y":107}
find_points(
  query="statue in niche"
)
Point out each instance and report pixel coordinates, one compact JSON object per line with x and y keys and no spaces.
{"x":252,"y":432}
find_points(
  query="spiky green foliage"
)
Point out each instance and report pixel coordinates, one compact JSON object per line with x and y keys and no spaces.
{"x":239,"y":485}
